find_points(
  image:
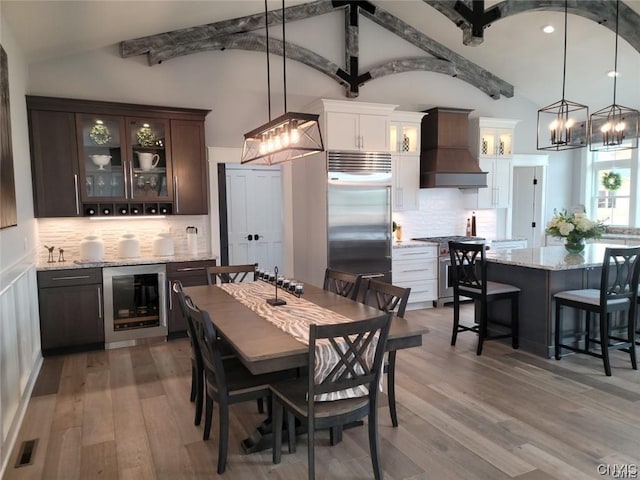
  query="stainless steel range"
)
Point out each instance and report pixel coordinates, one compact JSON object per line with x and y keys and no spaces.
{"x":445,"y":288}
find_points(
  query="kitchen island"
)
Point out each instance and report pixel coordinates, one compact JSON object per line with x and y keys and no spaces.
{"x":540,"y":273}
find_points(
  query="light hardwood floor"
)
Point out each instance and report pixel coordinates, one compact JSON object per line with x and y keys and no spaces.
{"x":125,"y":414}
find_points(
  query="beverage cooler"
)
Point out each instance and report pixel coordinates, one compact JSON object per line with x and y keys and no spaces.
{"x":134,"y":304}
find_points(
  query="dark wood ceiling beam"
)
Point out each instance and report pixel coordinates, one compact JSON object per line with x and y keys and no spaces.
{"x":192,"y":35}
{"x":232,"y":34}
{"x":602,"y":12}
{"x":252,"y":42}
{"x":468,"y":71}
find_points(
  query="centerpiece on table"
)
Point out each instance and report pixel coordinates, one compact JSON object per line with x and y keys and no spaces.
{"x":575,"y":228}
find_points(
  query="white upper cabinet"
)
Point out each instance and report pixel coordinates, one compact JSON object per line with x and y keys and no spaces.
{"x":404,"y":140}
{"x":404,"y":132}
{"x":355,"y":126}
{"x":492,"y":140}
{"x":354,"y":131}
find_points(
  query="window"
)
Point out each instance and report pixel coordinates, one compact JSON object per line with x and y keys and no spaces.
{"x":615,"y":206}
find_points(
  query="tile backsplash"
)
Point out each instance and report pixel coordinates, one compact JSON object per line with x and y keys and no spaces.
{"x":67,"y":233}
{"x":442,"y":212}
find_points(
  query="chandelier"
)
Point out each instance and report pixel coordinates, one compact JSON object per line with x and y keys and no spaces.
{"x":291,"y":135}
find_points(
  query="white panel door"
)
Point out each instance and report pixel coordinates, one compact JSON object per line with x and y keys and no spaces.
{"x":254,"y":215}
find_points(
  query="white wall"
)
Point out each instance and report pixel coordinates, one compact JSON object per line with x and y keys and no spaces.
{"x":20,"y":358}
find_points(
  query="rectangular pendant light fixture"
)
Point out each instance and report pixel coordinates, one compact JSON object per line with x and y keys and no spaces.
{"x":290,"y":136}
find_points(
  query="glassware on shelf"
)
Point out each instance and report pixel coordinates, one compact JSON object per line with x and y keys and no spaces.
{"x":89,"y":184}
{"x":100,"y":183}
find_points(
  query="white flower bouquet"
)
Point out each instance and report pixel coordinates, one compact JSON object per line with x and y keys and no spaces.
{"x":575,"y":227}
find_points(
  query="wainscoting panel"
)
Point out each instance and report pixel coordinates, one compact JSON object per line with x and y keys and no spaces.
{"x":20,"y":355}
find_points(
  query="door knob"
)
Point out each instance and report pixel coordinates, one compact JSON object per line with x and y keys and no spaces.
{"x":250,"y":237}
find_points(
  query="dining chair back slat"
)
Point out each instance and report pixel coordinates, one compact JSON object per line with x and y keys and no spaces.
{"x":197,"y":368}
{"x":391,"y":299}
{"x":231,"y":273}
{"x":343,"y":283}
{"x":359,"y":347}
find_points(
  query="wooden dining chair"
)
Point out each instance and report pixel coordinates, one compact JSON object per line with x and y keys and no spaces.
{"x":469,"y":278}
{"x":343,"y":283}
{"x":227,"y":381}
{"x":355,"y":366}
{"x":618,"y":292}
{"x":197,"y":368}
{"x":391,"y":299}
{"x":231,"y":273}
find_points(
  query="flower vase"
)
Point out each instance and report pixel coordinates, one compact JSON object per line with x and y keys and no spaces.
{"x":575,"y":246}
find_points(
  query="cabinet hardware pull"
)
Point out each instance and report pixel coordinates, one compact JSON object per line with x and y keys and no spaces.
{"x":76,"y":277}
{"x":190,"y":269}
{"x":75,"y":184}
{"x":124,"y":175}
{"x":417,"y":270}
{"x":131,"y":178}
{"x":176,"y":195}
{"x":99,"y":302}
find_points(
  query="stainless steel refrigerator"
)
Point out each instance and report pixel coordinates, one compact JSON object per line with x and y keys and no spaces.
{"x":359,"y":213}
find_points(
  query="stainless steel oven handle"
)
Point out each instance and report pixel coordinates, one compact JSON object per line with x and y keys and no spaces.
{"x":99,"y":302}
{"x":170,"y":295}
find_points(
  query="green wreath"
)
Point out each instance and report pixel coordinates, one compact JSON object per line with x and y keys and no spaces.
{"x":611,"y":181}
{"x":146,"y":137}
{"x":100,"y":134}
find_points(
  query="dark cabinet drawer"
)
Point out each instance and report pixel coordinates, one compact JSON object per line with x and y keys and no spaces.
{"x":68,"y":278}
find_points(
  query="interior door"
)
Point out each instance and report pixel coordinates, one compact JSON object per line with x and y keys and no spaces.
{"x":254,"y":215}
{"x":527,"y":219}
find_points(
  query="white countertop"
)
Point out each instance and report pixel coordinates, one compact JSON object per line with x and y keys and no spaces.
{"x":551,"y":258}
{"x":412,"y":243}
{"x":121,"y":262}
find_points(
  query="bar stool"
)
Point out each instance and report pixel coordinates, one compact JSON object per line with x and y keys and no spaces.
{"x":618,"y":293}
{"x":469,"y":278}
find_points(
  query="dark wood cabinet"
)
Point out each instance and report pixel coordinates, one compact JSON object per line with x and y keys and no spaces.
{"x":54,"y":166}
{"x":190,"y":168}
{"x":105,"y":158}
{"x":190,"y":274}
{"x":70,"y":303}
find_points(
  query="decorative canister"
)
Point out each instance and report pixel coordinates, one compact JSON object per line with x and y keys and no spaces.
{"x":163,"y":245}
{"x":91,"y":249}
{"x":128,"y":246}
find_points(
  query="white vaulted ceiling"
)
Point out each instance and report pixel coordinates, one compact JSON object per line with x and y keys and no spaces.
{"x":514,"y":48}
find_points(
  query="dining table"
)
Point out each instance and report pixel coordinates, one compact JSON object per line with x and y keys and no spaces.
{"x":264,"y":347}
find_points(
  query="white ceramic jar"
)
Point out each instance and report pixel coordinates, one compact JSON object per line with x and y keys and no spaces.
{"x":128,"y":246}
{"x":163,"y":245}
{"x":91,"y":249}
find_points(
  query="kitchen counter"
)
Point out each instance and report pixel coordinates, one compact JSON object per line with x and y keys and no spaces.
{"x":551,"y":258}
{"x":540,"y":273}
{"x":121,"y":262}
{"x":412,"y":243}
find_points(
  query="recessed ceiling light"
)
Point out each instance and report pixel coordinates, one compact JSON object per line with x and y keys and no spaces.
{"x":613,"y":73}
{"x":548,"y":29}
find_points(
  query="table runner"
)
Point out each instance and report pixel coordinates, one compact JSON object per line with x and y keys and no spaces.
{"x":294,"y":318}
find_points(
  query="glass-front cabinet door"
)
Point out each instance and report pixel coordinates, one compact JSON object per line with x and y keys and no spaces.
{"x":150,"y":167}
{"x":102,"y":155}
{"x":125,"y":165}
